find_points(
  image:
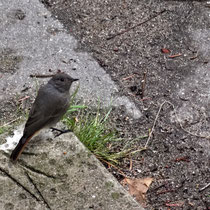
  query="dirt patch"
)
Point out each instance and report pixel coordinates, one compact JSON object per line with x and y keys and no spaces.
{"x":9,"y":61}
{"x":126,"y":38}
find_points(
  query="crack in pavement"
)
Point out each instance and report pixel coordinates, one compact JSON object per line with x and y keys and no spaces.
{"x":37,"y":189}
{"x":19,"y":184}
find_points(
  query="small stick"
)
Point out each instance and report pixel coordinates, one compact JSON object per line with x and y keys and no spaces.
{"x":165,"y":191}
{"x":194,"y":57}
{"x":203,"y":188}
{"x":174,"y":204}
{"x":10,"y":122}
{"x":119,"y":171}
{"x":41,"y":75}
{"x":129,"y":77}
{"x":144,"y":99}
{"x":24,"y":98}
{"x":174,"y":56}
{"x":139,"y":150}
{"x":132,"y":94}
{"x":185,"y":158}
{"x":131,"y":164}
{"x":143,"y":84}
{"x":152,"y":130}
{"x":133,"y":27}
{"x":153,"y":127}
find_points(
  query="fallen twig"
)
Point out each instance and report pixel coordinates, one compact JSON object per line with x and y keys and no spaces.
{"x":131,"y":164}
{"x":41,"y":75}
{"x":165,"y":191}
{"x":138,"y":150}
{"x":132,"y":94}
{"x":143,"y":84}
{"x":203,"y":188}
{"x":185,"y":158}
{"x":175,"y":204}
{"x":153,"y":127}
{"x":119,"y":171}
{"x":24,"y":98}
{"x":152,"y":130}
{"x":144,"y":99}
{"x":133,"y":27}
{"x":174,"y":56}
{"x":129,"y":77}
{"x":193,"y":57}
{"x":10,"y":122}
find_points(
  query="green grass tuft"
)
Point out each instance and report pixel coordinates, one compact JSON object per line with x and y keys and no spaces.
{"x":94,"y":132}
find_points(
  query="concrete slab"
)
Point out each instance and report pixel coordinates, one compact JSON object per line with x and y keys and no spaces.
{"x":60,"y":173}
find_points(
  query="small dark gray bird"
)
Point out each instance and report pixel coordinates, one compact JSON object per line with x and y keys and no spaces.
{"x":50,"y":105}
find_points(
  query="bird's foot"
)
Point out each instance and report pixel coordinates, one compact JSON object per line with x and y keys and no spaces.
{"x":60,"y":131}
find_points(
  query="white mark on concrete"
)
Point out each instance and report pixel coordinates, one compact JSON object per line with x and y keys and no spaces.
{"x":131,"y":109}
{"x":12,"y":140}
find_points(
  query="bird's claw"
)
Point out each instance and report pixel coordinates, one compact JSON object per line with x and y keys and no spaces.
{"x":60,"y":131}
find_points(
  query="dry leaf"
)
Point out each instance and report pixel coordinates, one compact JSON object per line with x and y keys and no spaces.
{"x":148,"y":181}
{"x":164,"y":50}
{"x":139,"y":187}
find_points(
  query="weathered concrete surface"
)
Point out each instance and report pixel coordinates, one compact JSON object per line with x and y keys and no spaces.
{"x":59,"y":173}
{"x":32,"y":42}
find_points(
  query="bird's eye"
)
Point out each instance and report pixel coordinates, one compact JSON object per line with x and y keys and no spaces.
{"x":62,"y":79}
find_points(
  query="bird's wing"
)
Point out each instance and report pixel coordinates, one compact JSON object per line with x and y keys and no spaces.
{"x":47,"y":107}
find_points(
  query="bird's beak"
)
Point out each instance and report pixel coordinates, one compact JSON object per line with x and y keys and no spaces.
{"x":75,"y":80}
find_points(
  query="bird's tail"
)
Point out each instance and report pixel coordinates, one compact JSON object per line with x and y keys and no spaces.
{"x":19,"y":148}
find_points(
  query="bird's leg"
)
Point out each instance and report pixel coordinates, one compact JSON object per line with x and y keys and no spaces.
{"x":60,"y":131}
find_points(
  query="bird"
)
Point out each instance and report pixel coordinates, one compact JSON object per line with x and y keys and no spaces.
{"x":51,"y":103}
